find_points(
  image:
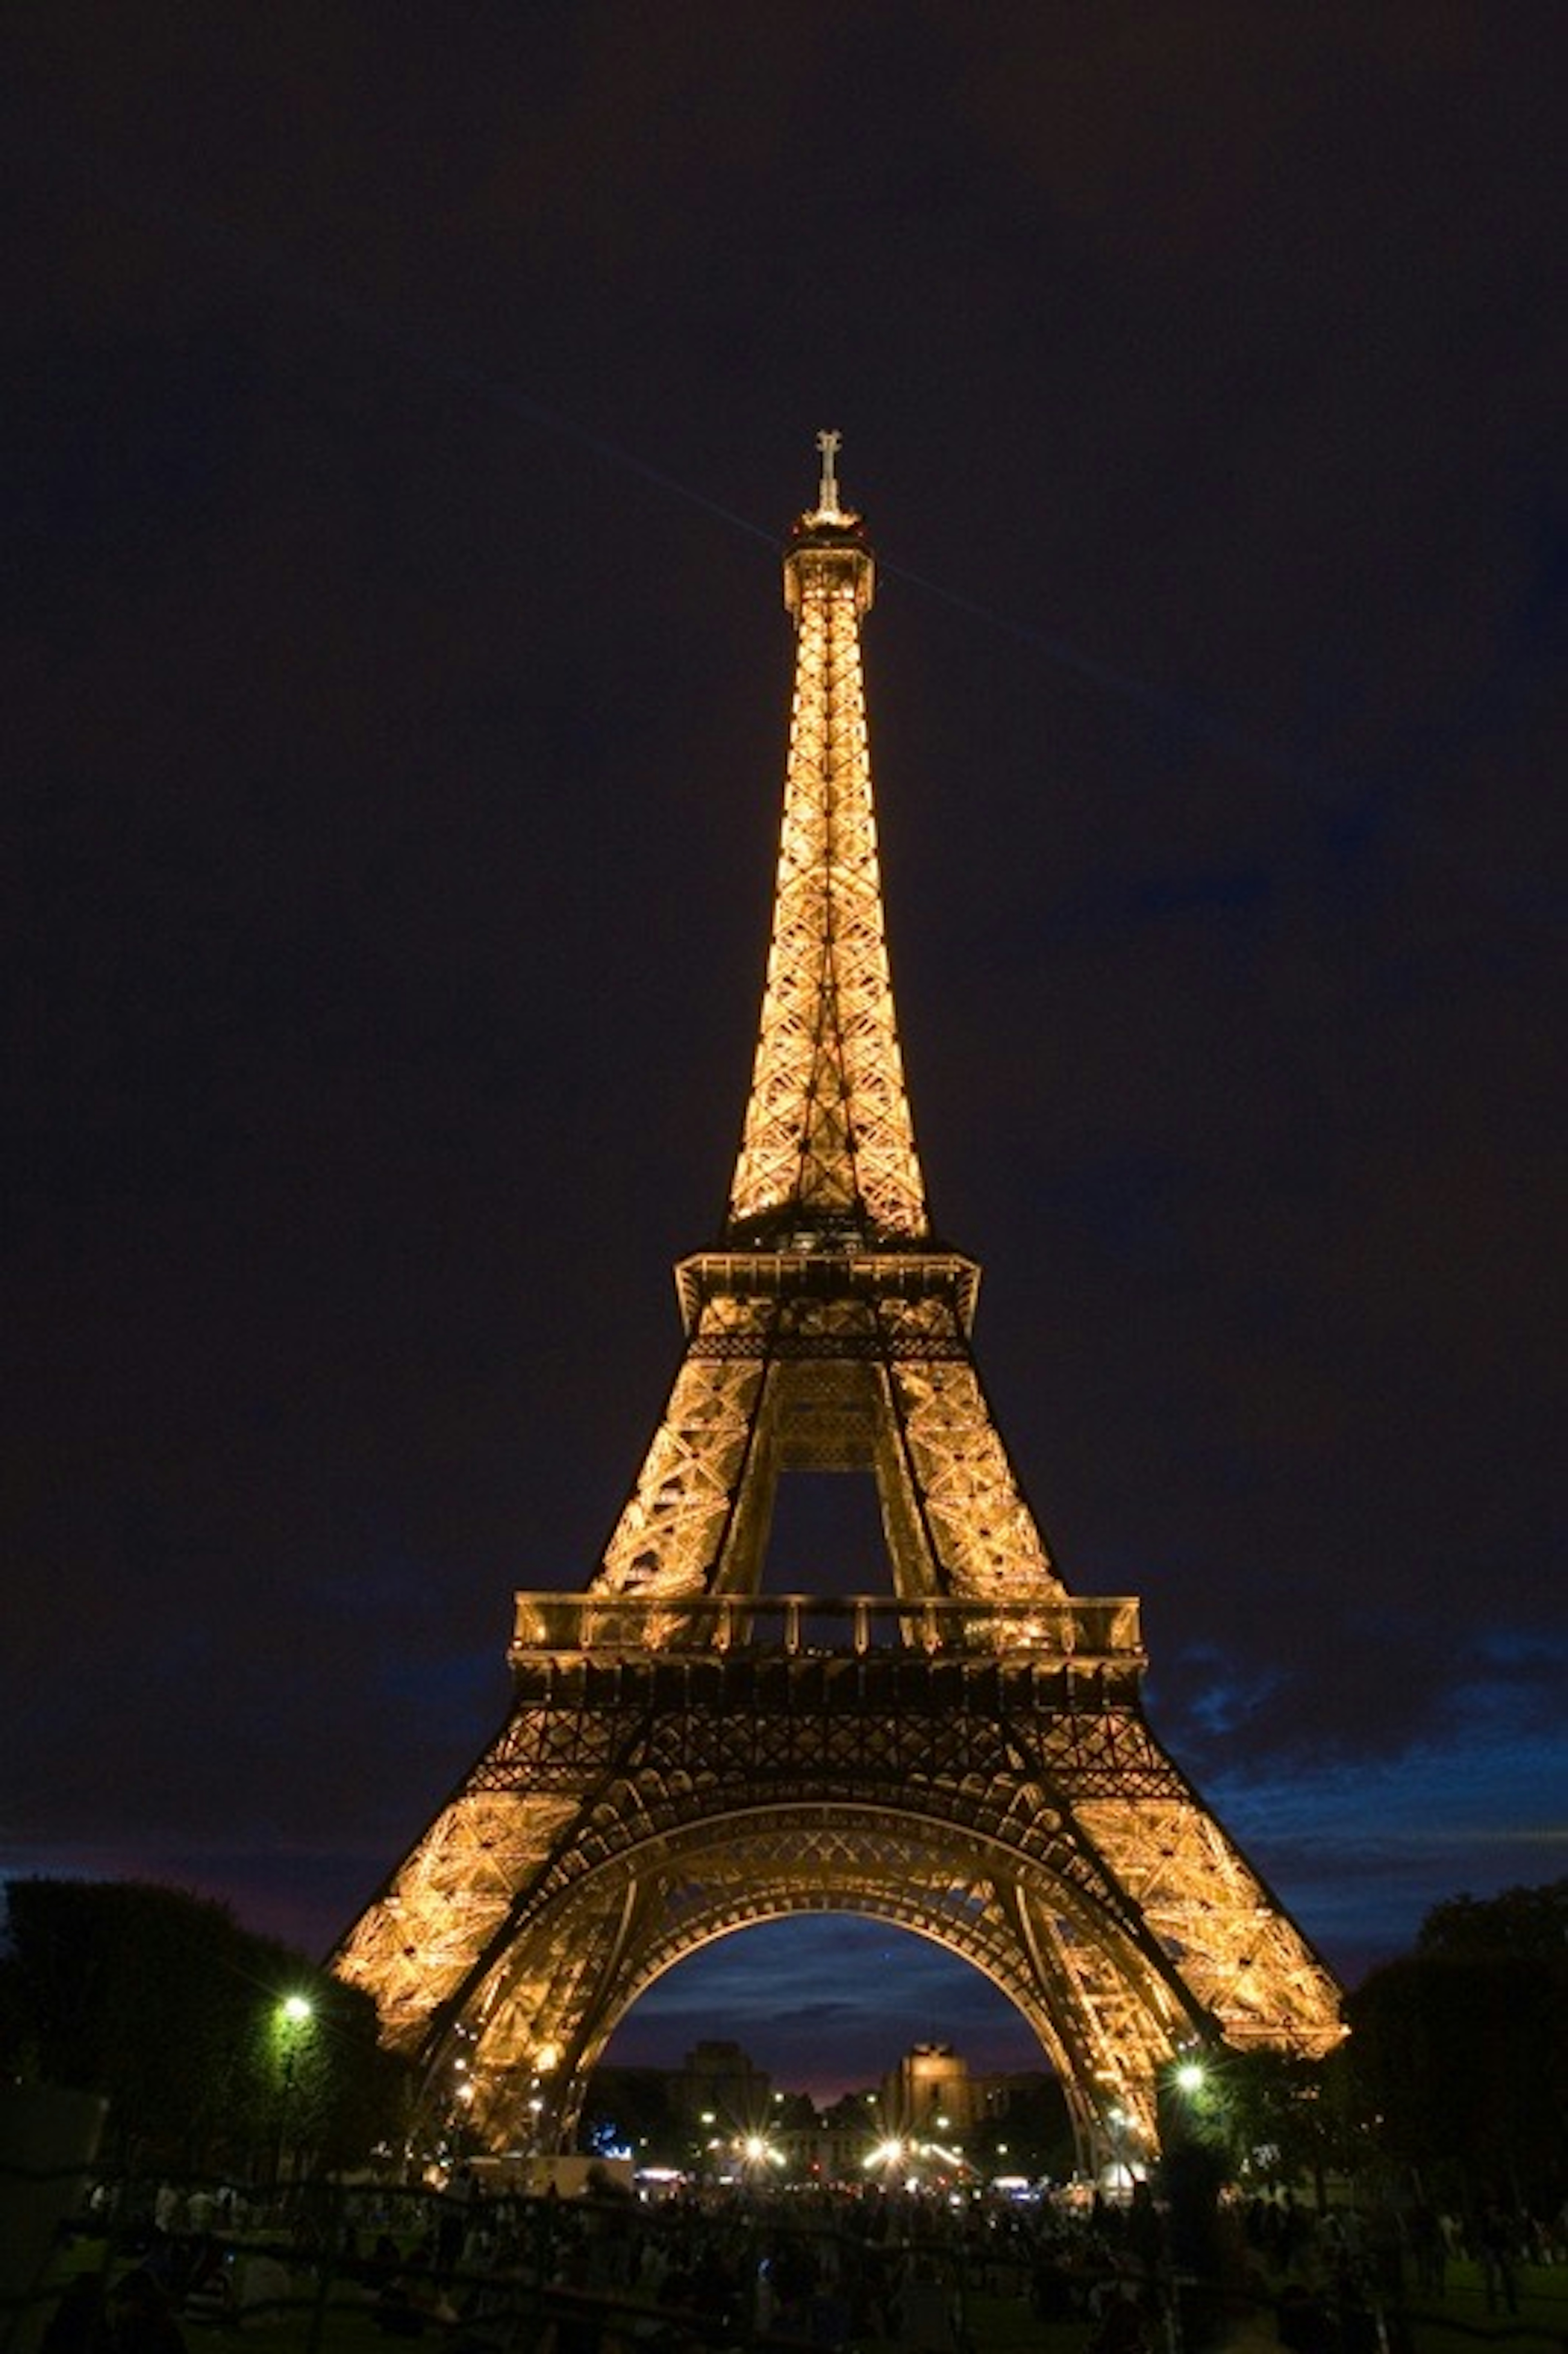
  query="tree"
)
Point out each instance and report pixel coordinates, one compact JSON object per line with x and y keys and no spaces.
{"x":1279,"y":2116}
{"x":131,"y":1992}
{"x":1461,"y":2048}
{"x":161,"y":2000}
{"x":1526,"y":1923}
{"x":633,"y":2108}
{"x":1027,"y":2129}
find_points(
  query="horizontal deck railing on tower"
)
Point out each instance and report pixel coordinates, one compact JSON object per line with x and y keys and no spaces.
{"x":1084,"y":1632}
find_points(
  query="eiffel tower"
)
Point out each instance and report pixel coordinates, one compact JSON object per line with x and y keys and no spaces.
{"x":965,"y":1753}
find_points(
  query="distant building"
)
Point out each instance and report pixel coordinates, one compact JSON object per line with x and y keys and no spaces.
{"x":833,"y":2149}
{"x":704,"y":2114}
{"x":720,"y":2080}
{"x":931,"y":2094}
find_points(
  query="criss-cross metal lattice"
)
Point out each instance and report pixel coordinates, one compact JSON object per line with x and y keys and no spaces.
{"x":828,"y":1133}
{"x":965,"y":1755}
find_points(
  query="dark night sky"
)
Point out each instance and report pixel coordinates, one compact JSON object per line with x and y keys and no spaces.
{"x":405,"y":407}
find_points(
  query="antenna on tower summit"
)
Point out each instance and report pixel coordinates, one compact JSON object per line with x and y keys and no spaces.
{"x":829,"y":443}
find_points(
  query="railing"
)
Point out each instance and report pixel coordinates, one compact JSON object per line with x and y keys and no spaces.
{"x":1083,"y":1632}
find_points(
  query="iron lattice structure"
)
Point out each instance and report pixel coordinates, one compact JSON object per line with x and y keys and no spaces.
{"x":966,"y":1754}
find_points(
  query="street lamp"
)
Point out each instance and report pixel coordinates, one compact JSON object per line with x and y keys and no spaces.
{"x":756,"y":2152}
{"x":294,"y":2012}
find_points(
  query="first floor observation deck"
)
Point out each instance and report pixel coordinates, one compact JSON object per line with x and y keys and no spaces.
{"x":1083,"y":1633}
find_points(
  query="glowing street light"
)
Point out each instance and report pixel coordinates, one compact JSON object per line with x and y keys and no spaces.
{"x":755,"y":2151}
{"x":294,"y":2014}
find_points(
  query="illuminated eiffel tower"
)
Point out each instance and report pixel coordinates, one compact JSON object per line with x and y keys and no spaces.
{"x":964,"y":1753}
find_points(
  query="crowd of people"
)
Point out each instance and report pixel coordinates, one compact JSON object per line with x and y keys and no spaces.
{"x":607,"y":2272}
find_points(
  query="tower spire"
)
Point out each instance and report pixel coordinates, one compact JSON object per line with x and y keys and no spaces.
{"x":828,"y":1142}
{"x":830,"y":442}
